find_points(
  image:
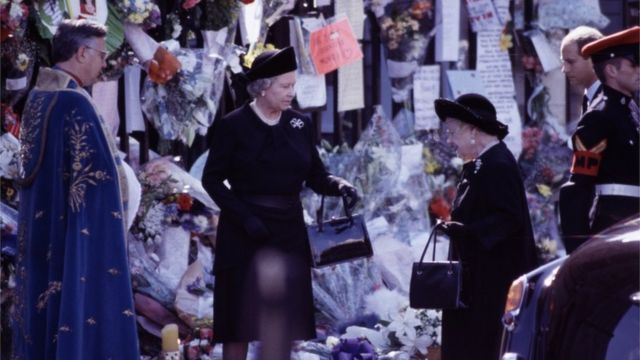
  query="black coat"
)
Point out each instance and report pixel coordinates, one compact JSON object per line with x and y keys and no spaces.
{"x":259,"y":160}
{"x":606,"y":151}
{"x":497,"y":248}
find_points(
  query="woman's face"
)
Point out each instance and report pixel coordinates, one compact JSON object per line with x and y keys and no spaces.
{"x":279,"y":95}
{"x":461,"y":136}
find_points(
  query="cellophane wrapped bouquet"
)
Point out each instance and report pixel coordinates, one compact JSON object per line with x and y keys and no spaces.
{"x":186,"y":105}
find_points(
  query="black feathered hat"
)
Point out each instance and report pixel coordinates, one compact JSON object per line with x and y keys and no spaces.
{"x":473,"y":109}
{"x":272,"y":63}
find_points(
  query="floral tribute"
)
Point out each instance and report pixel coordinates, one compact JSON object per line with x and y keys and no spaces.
{"x":186,"y":105}
{"x":140,"y":12}
{"x":166,"y":201}
{"x":13,"y":18}
{"x":406,"y":28}
{"x":544,"y":163}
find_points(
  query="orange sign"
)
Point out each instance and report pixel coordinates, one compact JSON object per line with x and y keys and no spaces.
{"x":333,"y":46}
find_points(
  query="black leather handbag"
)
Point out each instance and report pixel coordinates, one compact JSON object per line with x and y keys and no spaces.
{"x":435,"y":284}
{"x":338,"y":239}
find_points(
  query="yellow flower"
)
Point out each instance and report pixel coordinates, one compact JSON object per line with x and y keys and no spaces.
{"x":544,"y":190}
{"x":506,"y":42}
{"x":257,"y":50}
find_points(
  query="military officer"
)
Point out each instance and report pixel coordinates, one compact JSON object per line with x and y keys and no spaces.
{"x":604,"y":185}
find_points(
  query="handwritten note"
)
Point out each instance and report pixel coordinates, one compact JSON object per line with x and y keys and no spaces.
{"x":354,"y":10}
{"x":426,"y":88}
{"x":482,"y":15}
{"x":311,"y":91}
{"x":351,"y":87}
{"x":494,"y":68}
{"x":448,"y":34}
{"x":333,"y":46}
{"x":464,"y":82}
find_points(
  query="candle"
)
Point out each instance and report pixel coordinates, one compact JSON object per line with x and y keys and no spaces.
{"x":170,"y":338}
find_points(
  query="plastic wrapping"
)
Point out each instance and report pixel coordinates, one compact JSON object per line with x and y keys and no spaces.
{"x":186,"y":105}
{"x":339,"y":292}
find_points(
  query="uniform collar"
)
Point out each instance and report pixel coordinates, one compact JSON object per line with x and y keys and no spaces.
{"x":614,"y":96}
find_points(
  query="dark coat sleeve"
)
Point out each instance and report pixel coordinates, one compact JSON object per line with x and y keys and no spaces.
{"x":319,"y":179}
{"x":218,"y":168}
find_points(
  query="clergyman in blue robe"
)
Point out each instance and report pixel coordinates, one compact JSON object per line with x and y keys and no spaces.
{"x":73,"y":289}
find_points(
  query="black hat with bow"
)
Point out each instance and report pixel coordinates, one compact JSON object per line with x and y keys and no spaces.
{"x":473,"y":109}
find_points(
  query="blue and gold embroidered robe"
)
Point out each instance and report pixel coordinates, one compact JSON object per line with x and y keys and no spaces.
{"x":73,"y":290}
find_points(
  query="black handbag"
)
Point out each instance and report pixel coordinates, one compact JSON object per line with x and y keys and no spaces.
{"x":338,"y":239}
{"x":435,"y":284}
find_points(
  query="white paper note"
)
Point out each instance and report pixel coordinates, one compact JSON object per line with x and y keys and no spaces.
{"x":354,"y":10}
{"x":464,"y":82}
{"x":351,"y":87}
{"x":482,"y":15}
{"x":548,"y":58}
{"x":311,"y":90}
{"x":448,"y":35}
{"x":426,"y":88}
{"x":494,"y":68}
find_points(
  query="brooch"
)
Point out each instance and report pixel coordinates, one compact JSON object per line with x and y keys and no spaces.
{"x":296,"y":123}
{"x":478,"y":164}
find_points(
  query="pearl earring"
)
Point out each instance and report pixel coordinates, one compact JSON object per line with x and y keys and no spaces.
{"x":472,"y":141}
{"x":262,"y":94}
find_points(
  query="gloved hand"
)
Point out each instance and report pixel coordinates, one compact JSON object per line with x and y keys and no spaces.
{"x":350,"y":194}
{"x":454,"y":229}
{"x":256,"y":229}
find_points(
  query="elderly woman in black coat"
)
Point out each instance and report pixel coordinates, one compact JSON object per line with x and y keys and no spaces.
{"x":266,"y":152}
{"x":490,"y":228}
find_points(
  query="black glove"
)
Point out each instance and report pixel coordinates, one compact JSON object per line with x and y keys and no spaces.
{"x":256,"y":229}
{"x":350,"y":194}
{"x":454,"y":229}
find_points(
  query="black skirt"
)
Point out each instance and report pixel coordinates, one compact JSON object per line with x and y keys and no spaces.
{"x":248,"y":297}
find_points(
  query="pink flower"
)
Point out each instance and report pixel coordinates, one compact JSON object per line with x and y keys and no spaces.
{"x":188,"y":4}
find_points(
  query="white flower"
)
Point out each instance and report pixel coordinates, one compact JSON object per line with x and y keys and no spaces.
{"x":201,"y":222}
{"x":188,"y":62}
{"x":385,"y":303}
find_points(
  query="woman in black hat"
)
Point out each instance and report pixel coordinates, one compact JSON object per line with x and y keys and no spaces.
{"x":490,"y":229}
{"x":266,"y":152}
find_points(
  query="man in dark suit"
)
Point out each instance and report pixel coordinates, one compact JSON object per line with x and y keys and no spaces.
{"x":604,"y":186}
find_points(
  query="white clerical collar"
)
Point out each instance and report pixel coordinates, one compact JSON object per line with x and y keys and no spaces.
{"x":590,"y":92}
{"x":488,"y":146}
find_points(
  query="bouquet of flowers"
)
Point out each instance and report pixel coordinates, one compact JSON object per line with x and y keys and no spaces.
{"x":13,"y":18}
{"x":407,"y":27}
{"x":186,"y":105}
{"x":169,"y":198}
{"x":140,"y":12}
{"x":405,"y":329}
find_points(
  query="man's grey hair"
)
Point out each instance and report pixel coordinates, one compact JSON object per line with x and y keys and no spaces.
{"x":71,"y":35}
{"x":581,"y":36}
{"x":256,"y":87}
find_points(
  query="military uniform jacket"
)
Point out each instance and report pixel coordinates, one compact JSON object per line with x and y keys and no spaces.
{"x":497,"y":248}
{"x":605,"y":151}
{"x":258,"y":159}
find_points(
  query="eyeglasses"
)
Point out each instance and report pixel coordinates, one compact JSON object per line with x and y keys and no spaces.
{"x":103,"y":53}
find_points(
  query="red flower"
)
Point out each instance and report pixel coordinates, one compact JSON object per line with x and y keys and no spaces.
{"x":439,"y":207}
{"x":184,"y":202}
{"x":246,"y":1}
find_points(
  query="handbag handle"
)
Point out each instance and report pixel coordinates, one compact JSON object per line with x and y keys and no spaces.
{"x":433,"y":236}
{"x":320,"y":213}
